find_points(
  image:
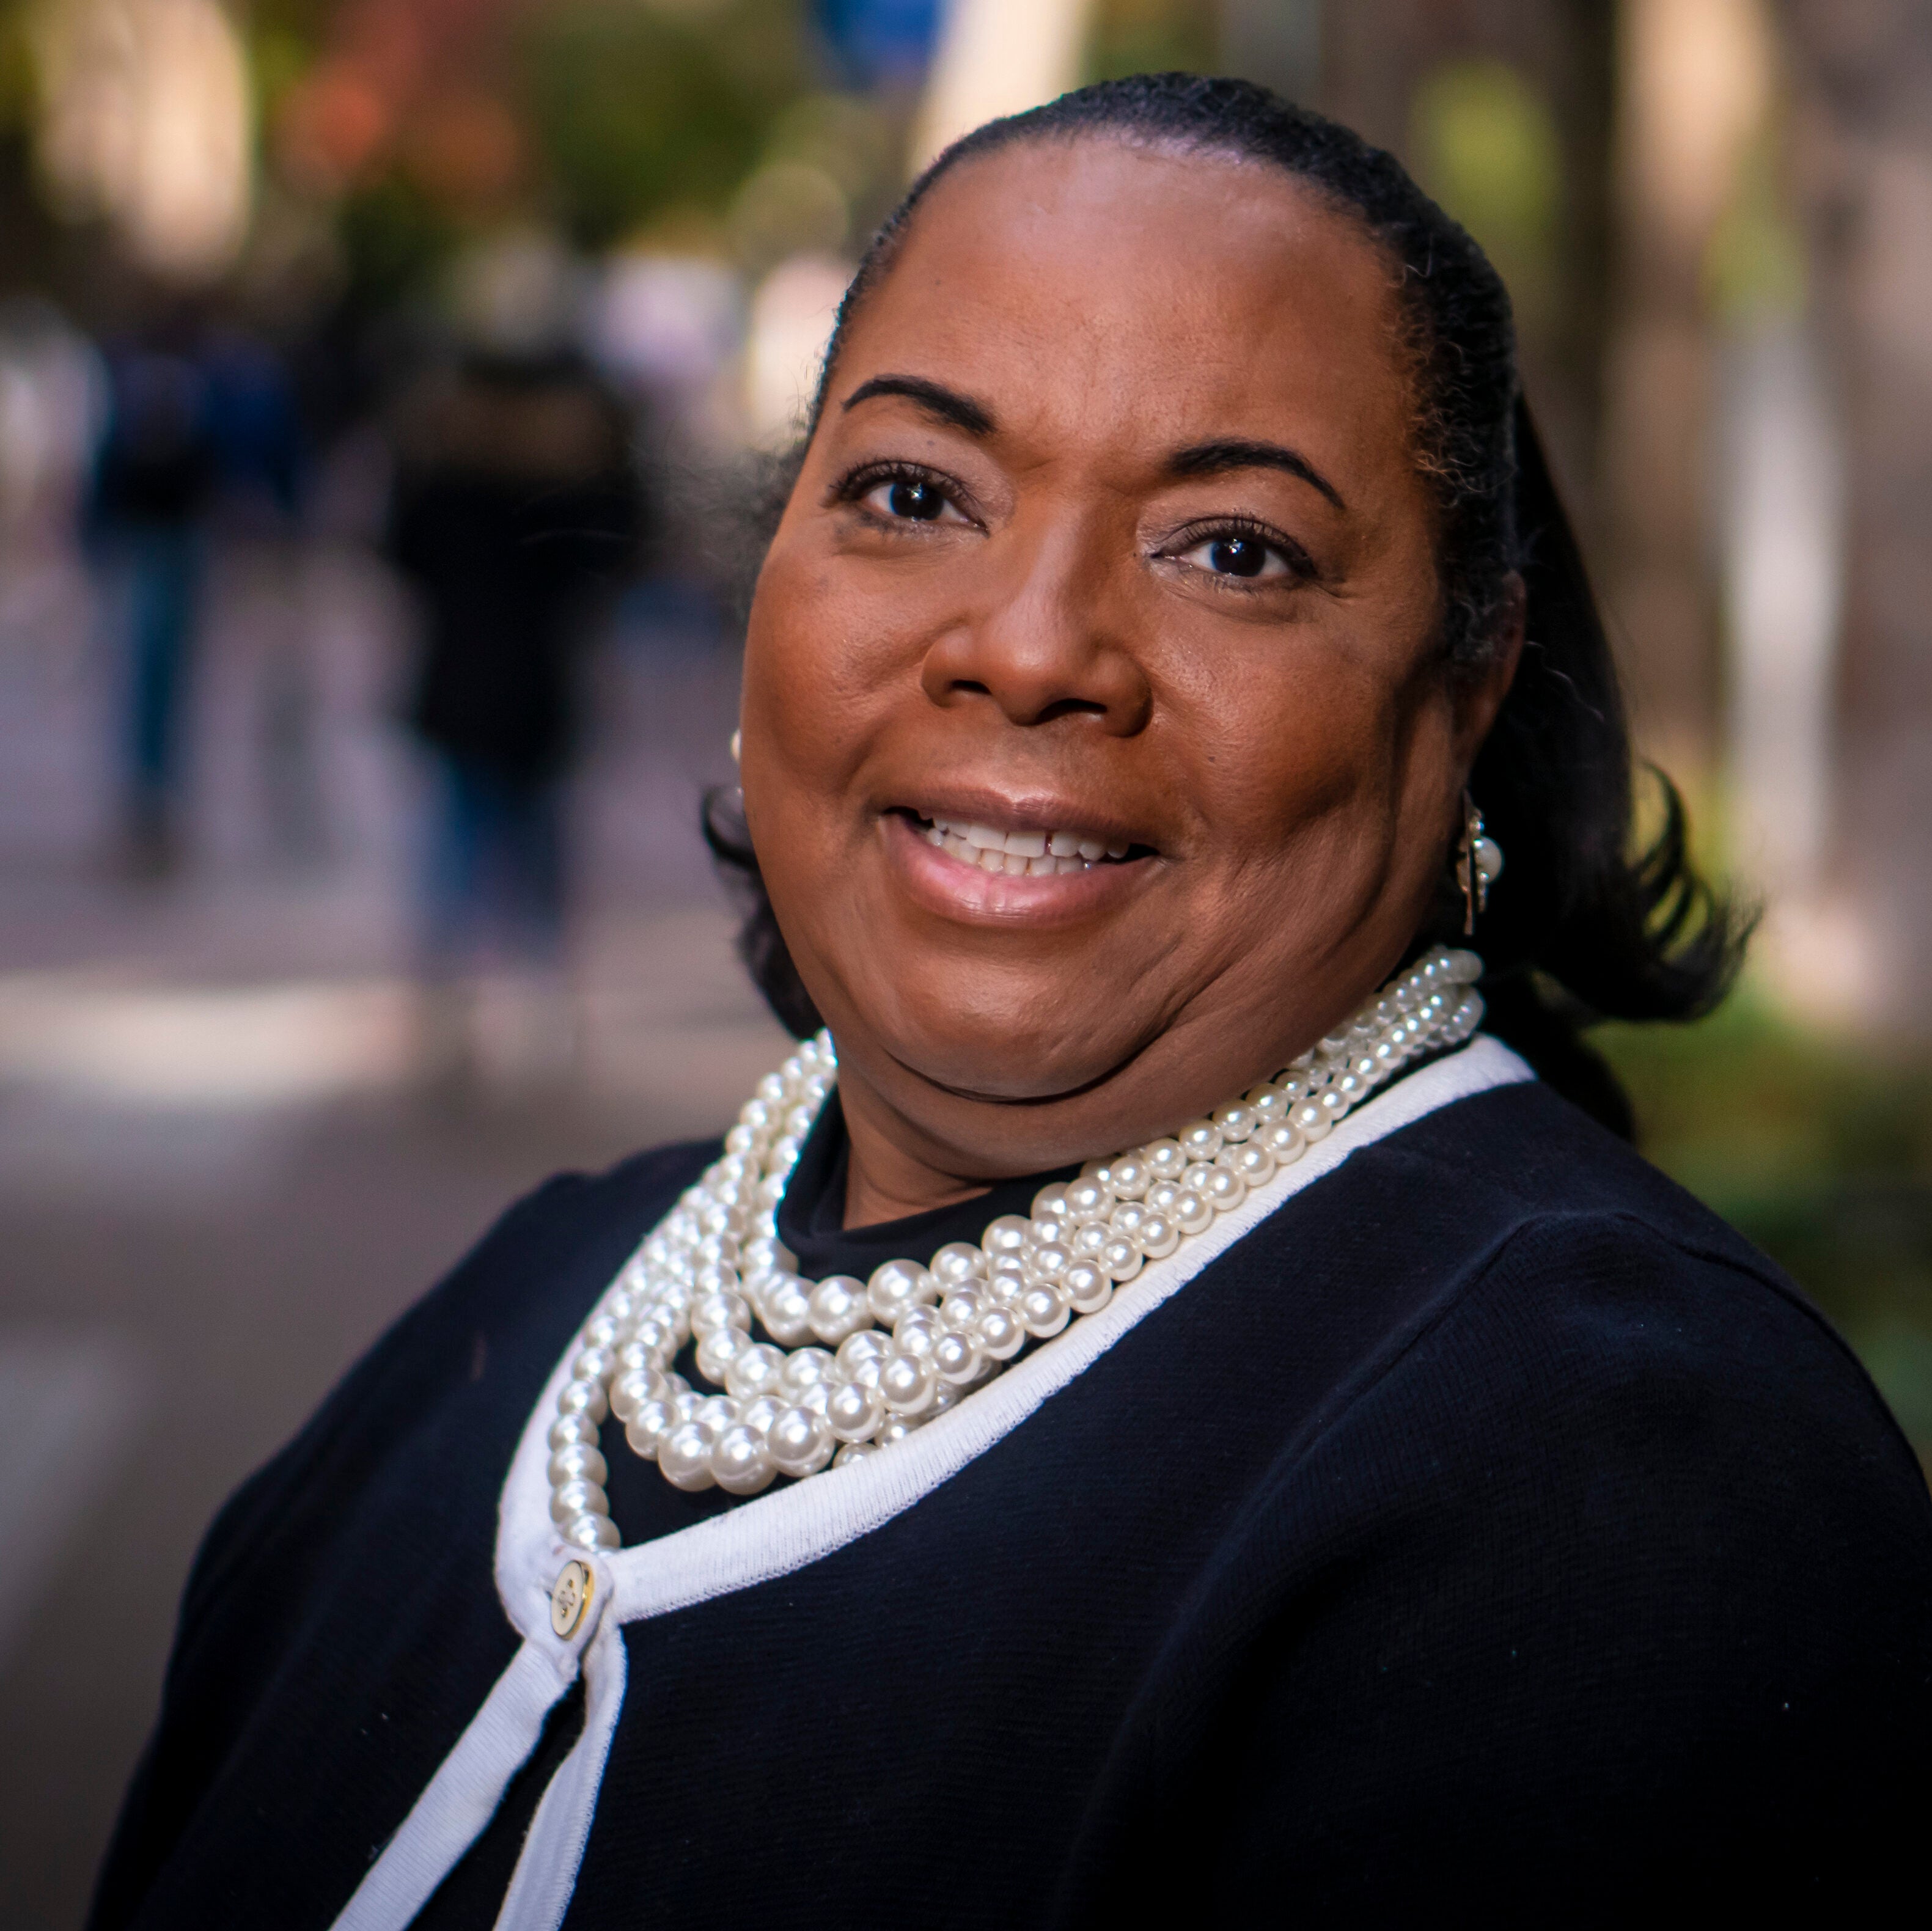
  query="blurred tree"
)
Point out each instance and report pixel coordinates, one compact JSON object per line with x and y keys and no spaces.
{"x":636,"y":111}
{"x":1862,"y":79}
{"x":1693,"y":85}
{"x":1501,"y":108}
{"x":1152,"y":37}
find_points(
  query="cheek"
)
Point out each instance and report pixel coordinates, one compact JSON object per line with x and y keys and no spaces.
{"x":808,"y":681}
{"x":1284,"y":735}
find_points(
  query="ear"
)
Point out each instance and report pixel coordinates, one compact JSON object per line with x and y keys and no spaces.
{"x":1479,"y":692}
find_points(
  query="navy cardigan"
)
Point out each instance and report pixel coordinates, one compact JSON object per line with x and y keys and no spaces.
{"x":1492,"y":1535}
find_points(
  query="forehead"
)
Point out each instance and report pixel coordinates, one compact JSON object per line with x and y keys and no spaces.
{"x":1104,"y":290}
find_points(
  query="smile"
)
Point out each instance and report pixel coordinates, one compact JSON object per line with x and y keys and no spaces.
{"x":1031,"y":852}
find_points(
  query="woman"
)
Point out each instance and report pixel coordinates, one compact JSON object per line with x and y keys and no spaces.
{"x":1378,"y":1494}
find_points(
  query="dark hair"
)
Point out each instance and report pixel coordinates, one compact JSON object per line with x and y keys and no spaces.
{"x":1583,"y":927}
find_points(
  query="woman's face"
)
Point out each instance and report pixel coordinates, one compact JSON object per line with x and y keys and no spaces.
{"x":1111,"y":539}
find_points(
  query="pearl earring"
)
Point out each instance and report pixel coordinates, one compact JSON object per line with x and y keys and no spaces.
{"x":736,"y":742}
{"x":1479,"y":864}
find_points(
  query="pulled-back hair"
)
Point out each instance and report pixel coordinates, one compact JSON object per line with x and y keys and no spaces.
{"x":1584,"y":925}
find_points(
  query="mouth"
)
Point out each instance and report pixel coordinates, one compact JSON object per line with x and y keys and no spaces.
{"x":1026,"y":851}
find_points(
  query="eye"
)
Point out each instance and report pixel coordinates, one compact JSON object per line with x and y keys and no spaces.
{"x":1235,"y":553}
{"x":911,"y":499}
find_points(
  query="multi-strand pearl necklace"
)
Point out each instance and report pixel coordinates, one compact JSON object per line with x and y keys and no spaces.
{"x":851,"y":1366}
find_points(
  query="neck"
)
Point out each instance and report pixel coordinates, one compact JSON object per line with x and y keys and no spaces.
{"x":888,"y":1174}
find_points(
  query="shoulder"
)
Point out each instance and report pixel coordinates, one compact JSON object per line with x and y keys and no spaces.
{"x":1589,"y":1307}
{"x":1602,"y":1556}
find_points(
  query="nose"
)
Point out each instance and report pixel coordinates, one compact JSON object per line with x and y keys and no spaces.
{"x":1043,"y":639}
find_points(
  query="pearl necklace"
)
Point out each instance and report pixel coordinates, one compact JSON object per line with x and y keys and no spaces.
{"x":893,"y":1353}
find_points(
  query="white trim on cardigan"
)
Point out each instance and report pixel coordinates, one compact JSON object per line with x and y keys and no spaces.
{"x":780,"y":1531}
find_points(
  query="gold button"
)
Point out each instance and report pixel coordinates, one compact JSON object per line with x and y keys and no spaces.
{"x":571,"y":1597}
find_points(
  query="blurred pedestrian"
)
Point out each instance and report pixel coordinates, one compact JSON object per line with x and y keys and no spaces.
{"x":153,"y":481}
{"x":515,"y":511}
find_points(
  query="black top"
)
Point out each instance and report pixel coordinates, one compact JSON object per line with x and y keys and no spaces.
{"x":1490,"y":1535}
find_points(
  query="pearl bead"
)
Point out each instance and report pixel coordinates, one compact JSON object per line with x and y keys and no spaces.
{"x":1000,"y":1333}
{"x":1125,"y":1220}
{"x":1282,"y":1139}
{"x":601,"y":1331}
{"x":838,"y":1308}
{"x":1268,"y":1102}
{"x":767,"y":1255}
{"x":719,"y":1250}
{"x":716,"y":1310}
{"x":958,"y":1262}
{"x":896,"y":1428}
{"x":917,"y":1333}
{"x":719,"y":1349}
{"x":1044,"y":1312}
{"x":897,"y":1286}
{"x":1161,"y":1195}
{"x":956,"y":1356}
{"x":1311,"y":1120}
{"x":853,"y":1412}
{"x":852,"y":1451}
{"x":1088,"y":1240}
{"x":647,"y":1428}
{"x":1050,"y":1202}
{"x":1222,"y":1189}
{"x":867,"y":1349}
{"x":907,"y":1383}
{"x":572,"y":1499}
{"x":579,"y":1462}
{"x":804,"y":1367}
{"x":1089,"y":1288}
{"x":1088,"y":1201}
{"x":800,"y":1442}
{"x":594,"y":1364}
{"x":1164,"y":1158}
{"x":1250,"y":1162}
{"x":758,"y":1414}
{"x":1200,"y":1141}
{"x":755,"y":1372}
{"x":714,"y":1279}
{"x":1011,"y":1234}
{"x":1190,"y":1213}
{"x":1235,"y":1123}
{"x":787,"y":1311}
{"x":567,"y":1428}
{"x":1129,"y":1177}
{"x":1006,"y":1267}
{"x":685,"y":1456}
{"x":962,"y":1309}
{"x":1120,"y":1260}
{"x":741,"y":1465}
{"x":592,"y":1532}
{"x":1159,"y":1236}
{"x":583,"y":1398}
{"x":1048,"y":1262}
{"x":628,"y":1389}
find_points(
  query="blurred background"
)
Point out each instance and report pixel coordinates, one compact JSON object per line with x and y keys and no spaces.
{"x":382,"y":386}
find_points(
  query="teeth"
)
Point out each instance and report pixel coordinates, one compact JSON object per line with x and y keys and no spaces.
{"x":1030,"y":854}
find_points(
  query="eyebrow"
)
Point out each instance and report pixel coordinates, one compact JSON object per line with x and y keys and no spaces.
{"x":1214,"y":459}
{"x":947,"y":405}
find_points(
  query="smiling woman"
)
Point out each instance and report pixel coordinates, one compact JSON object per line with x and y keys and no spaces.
{"x":1150,"y":1409}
